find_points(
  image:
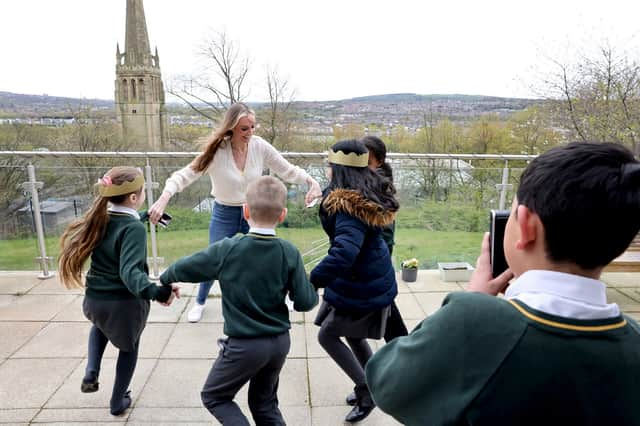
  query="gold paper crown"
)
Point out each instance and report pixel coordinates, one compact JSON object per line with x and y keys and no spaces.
{"x":108,"y":189}
{"x":352,"y":159}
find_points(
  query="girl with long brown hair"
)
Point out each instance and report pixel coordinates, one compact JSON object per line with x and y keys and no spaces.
{"x":233,"y":157}
{"x":117,"y":286}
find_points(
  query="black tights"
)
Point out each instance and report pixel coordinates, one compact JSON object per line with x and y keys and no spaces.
{"x":125,"y":366}
{"x":352,"y":361}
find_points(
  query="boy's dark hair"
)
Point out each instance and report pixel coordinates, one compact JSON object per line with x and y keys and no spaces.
{"x":266,"y":197}
{"x":371,"y":185}
{"x":587,"y":196}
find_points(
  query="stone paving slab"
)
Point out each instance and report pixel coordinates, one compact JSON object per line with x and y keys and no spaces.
{"x":173,"y":415}
{"x":57,"y":340}
{"x":212,"y":310}
{"x":175,"y":383}
{"x":193,"y":341}
{"x":152,"y":343}
{"x":332,"y":416}
{"x":15,"y":334}
{"x":18,"y":416}
{"x":53,"y":286}
{"x":623,"y":299}
{"x":430,"y":302}
{"x":71,"y":312}
{"x":69,"y":396}
{"x":17,"y":283}
{"x":621,"y":279}
{"x":329,"y":384}
{"x":32,"y":307}
{"x":408,"y":304}
{"x":67,"y":415}
{"x":29,"y":383}
{"x":428,"y":281}
{"x":43,"y":356}
{"x":160,"y":313}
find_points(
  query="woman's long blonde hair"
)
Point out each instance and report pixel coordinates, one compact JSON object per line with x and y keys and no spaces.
{"x":83,"y":235}
{"x":222,"y":133}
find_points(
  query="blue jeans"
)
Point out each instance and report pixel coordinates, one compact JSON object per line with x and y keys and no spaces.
{"x":226,"y":221}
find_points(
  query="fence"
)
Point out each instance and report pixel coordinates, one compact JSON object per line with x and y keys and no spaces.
{"x":42,"y":191}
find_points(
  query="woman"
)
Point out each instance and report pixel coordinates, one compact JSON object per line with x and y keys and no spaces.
{"x":233,"y":157}
{"x":357,"y":273}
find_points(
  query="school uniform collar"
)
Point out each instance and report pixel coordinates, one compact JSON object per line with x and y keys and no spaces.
{"x":263,"y":231}
{"x":122,"y":209}
{"x":562,"y":294}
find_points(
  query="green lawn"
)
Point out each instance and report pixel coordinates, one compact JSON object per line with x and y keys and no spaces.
{"x":429,"y":247}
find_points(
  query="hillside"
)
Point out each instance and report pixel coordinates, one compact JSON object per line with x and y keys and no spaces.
{"x":19,"y":105}
{"x":408,"y":109}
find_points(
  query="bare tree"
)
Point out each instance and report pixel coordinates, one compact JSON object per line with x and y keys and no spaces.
{"x":276,"y":117}
{"x":597,"y":95}
{"x":220,"y":83}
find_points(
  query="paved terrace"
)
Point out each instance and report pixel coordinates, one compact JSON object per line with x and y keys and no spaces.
{"x":43,"y":337}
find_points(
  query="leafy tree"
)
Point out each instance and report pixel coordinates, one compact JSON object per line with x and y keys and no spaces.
{"x":532,"y":132}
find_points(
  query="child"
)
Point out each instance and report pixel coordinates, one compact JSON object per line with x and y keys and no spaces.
{"x":118,"y":289}
{"x":357,"y":273}
{"x":552,"y":351}
{"x":378,"y":163}
{"x":256,"y":271}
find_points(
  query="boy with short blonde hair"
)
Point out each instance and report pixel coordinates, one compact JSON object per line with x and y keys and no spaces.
{"x":256,"y":271}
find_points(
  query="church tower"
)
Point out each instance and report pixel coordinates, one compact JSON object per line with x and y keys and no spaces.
{"x":139,"y":93}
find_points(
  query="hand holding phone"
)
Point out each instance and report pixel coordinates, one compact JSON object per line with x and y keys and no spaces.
{"x":312,"y":203}
{"x":165,"y":220}
{"x":497,"y":223}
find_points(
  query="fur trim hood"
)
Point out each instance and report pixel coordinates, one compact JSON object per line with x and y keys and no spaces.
{"x":354,"y":204}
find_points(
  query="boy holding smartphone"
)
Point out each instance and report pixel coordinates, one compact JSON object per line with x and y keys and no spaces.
{"x":552,"y":351}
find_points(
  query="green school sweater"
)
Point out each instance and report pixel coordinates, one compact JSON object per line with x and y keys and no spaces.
{"x":119,"y":263}
{"x":255,"y":273}
{"x":481,"y":360}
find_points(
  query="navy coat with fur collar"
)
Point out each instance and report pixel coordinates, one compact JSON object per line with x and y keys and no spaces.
{"x":357,"y":272}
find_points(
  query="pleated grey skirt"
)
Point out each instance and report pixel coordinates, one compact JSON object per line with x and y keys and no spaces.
{"x":121,"y":321}
{"x":368,"y":325}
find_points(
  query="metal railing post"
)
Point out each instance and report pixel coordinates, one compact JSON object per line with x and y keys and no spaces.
{"x":154,"y":260}
{"x":32,"y":187}
{"x":504,"y":185}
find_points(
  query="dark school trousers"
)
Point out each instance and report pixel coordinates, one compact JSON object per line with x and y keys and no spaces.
{"x":255,"y":360}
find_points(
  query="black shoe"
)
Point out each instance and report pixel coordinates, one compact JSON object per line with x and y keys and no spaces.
{"x":351,"y":399}
{"x":364,"y":404}
{"x":126,"y":403}
{"x":90,"y":383}
{"x":358,"y":413}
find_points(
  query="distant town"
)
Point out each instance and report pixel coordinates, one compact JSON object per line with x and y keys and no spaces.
{"x":411,"y":111}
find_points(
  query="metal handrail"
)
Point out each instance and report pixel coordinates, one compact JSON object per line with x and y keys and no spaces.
{"x":32,"y":185}
{"x":183,"y":154}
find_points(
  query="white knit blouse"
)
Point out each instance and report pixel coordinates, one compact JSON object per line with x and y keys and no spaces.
{"x":228,"y":183}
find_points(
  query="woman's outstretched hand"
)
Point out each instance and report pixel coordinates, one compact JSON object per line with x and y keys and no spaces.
{"x":314,"y":192}
{"x":157,"y":209}
{"x":481,"y":280}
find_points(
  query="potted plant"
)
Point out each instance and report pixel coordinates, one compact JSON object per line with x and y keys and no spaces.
{"x":409,"y":270}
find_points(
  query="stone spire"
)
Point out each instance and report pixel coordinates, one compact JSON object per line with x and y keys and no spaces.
{"x":136,"y":44}
{"x":139,"y":92}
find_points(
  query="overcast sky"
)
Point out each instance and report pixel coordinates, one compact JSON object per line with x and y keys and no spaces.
{"x":329,"y":49}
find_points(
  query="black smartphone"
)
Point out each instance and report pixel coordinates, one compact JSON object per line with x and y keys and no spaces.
{"x":165,"y":220}
{"x":497,"y":223}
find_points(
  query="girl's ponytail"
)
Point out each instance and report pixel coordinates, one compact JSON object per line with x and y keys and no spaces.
{"x":79,"y":240}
